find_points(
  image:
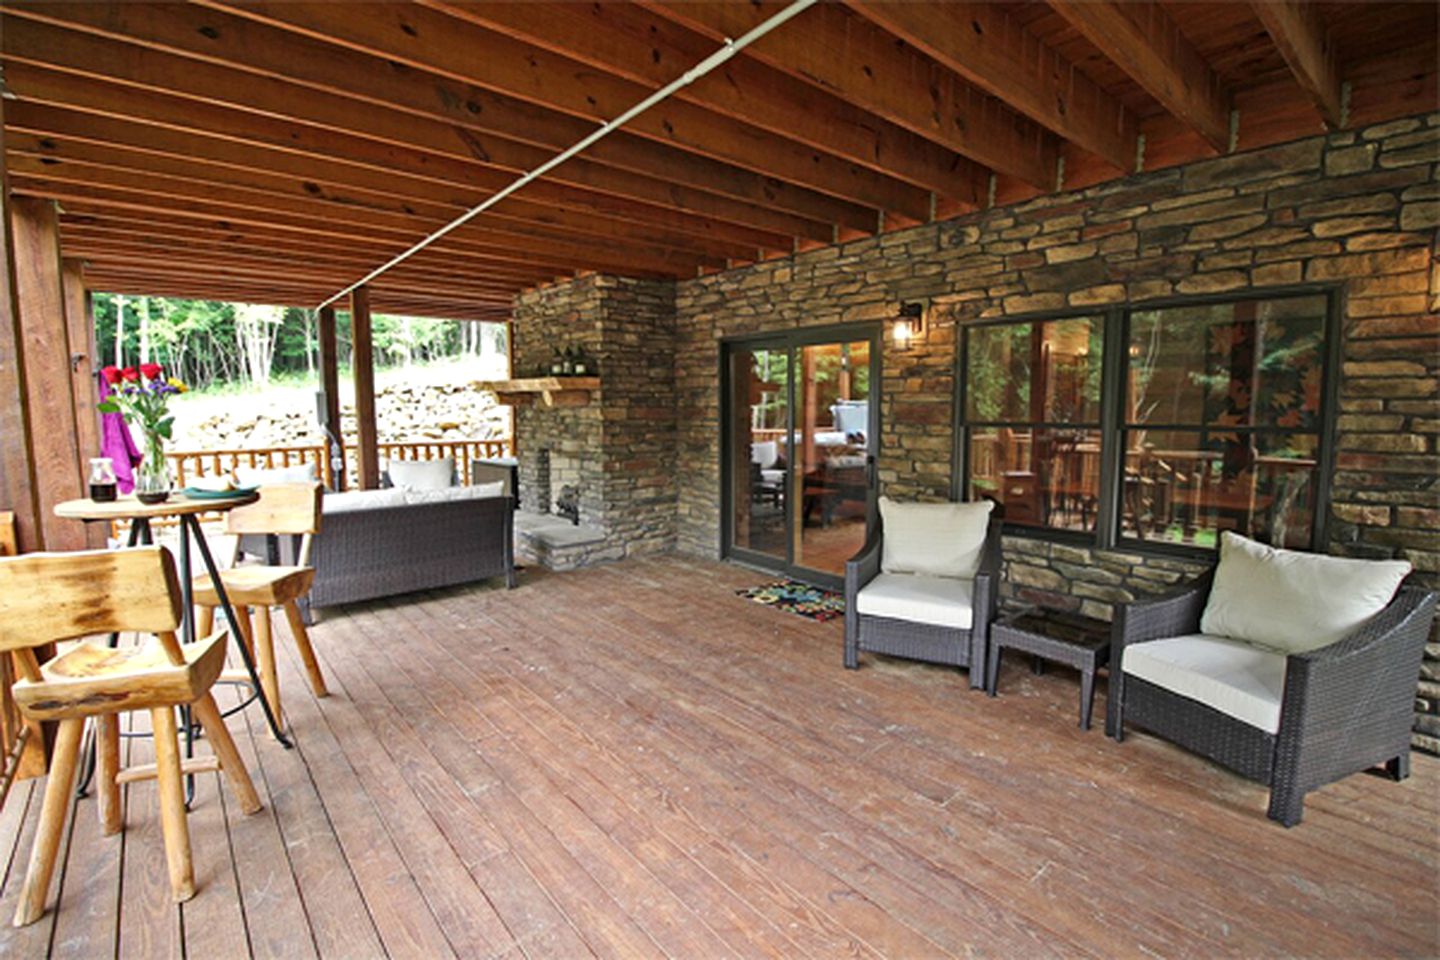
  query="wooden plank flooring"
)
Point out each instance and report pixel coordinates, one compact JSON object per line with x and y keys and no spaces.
{"x":632,"y":761}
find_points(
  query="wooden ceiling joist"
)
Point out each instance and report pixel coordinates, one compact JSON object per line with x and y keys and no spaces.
{"x":1142,"y":39}
{"x":1303,"y":40}
{"x":269,"y":151}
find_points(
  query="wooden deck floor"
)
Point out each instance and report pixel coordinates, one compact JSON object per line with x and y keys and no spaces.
{"x":631,"y":761}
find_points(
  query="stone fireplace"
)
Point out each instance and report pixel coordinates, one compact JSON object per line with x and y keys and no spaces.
{"x":617,"y":449}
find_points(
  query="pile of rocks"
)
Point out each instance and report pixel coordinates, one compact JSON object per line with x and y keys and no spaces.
{"x":404,"y":411}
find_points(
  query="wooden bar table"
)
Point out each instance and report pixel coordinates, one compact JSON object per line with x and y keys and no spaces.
{"x":187,"y":511}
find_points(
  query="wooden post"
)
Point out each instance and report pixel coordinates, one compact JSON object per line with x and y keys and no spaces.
{"x":36,"y":230}
{"x":17,"y":464}
{"x":330,"y":383}
{"x":362,"y":370}
{"x":80,"y":322}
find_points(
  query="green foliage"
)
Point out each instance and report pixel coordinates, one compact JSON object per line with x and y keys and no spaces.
{"x":204,"y":342}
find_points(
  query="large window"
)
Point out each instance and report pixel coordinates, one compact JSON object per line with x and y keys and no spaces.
{"x":1212,"y":418}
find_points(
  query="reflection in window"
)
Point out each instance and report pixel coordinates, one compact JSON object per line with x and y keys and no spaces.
{"x":1033,"y":403}
{"x":1221,"y":421}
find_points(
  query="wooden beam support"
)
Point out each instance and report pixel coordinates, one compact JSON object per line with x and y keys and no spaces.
{"x":433,"y":41}
{"x":362,"y":371}
{"x":222,"y":77}
{"x":1301,"y":37}
{"x":1141,"y":39}
{"x":981,"y":42}
{"x":628,"y":42}
{"x":17,"y":459}
{"x":80,"y":322}
{"x":330,"y":385}
{"x":49,"y":398}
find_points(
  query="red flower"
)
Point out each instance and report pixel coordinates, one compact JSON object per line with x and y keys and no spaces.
{"x":151,"y":371}
{"x":111,"y":375}
{"x":130,"y":374}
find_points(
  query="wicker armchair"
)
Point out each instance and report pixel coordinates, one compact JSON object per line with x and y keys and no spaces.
{"x":1344,"y":707}
{"x":922,"y":641}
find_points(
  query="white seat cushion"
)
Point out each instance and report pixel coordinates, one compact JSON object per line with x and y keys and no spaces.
{"x":937,"y":539}
{"x":479,"y":491}
{"x":264,"y":476}
{"x":938,"y":601}
{"x":1293,"y":601}
{"x":1239,"y":680}
{"x":361,"y":500}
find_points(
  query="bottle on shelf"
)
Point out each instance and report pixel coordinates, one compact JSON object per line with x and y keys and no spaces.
{"x":557,"y":364}
{"x":568,"y":362}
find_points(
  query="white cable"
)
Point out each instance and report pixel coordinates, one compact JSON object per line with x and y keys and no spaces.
{"x":730,"y":48}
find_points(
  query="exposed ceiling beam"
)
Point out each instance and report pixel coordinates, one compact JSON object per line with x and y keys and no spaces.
{"x":428,"y":40}
{"x":982,"y":42}
{"x":1142,"y":39}
{"x":1302,"y":39}
{"x":387,"y":137}
{"x":632,"y":43}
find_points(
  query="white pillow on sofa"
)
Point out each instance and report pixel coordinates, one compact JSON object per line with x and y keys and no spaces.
{"x":479,"y":491}
{"x":422,"y":474}
{"x":1292,"y":601}
{"x":263,"y":476}
{"x":937,"y":539}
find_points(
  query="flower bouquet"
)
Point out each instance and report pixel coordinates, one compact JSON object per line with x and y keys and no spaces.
{"x":142,"y":395}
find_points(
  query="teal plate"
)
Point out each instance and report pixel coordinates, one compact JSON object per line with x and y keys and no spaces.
{"x":195,"y":493}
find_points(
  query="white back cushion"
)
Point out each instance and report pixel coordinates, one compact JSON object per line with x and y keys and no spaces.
{"x":938,"y":539}
{"x":262,"y":476}
{"x":422,"y":474}
{"x":495,"y":488}
{"x":1293,"y":601}
{"x":1239,"y":680}
{"x":765,"y":453}
{"x":361,"y":500}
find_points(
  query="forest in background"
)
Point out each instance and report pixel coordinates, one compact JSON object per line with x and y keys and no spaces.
{"x":211,"y":345}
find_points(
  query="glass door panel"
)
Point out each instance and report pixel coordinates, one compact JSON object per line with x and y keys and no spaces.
{"x":759,"y":428}
{"x":833,"y":443}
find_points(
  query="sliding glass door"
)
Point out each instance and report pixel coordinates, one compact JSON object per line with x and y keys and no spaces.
{"x":801,"y":432}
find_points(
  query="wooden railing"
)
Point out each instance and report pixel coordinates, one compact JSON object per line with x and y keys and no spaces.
{"x":186,"y":465}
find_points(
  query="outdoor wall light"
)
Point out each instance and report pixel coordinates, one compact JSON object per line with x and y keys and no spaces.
{"x":910,"y":323}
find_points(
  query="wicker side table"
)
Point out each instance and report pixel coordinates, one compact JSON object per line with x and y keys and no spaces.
{"x":1066,"y":638}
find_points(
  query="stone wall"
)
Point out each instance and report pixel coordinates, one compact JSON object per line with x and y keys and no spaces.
{"x":620,"y":447}
{"x":1358,"y":208}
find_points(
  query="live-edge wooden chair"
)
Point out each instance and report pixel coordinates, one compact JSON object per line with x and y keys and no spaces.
{"x":49,"y":597}
{"x":286,"y":509}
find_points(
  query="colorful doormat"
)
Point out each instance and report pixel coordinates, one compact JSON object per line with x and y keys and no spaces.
{"x":793,"y":596}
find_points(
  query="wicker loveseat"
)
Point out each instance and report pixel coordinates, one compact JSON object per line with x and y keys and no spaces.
{"x":912,"y":603}
{"x":396,"y":547}
{"x":1292,"y":720}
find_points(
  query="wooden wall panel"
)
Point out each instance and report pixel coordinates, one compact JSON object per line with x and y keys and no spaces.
{"x":84,"y":365}
{"x":362,"y":367}
{"x":17,"y":475}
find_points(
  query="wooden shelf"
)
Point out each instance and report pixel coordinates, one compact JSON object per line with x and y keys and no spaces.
{"x":552,"y":391}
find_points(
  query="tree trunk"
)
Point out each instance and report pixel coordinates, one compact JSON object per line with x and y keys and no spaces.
{"x":119,"y":330}
{"x":144,"y":329}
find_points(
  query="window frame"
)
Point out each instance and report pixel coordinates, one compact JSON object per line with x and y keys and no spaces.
{"x":1115,"y":367}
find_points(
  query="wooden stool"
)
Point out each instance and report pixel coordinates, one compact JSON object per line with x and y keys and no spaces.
{"x":284,"y":510}
{"x":47,"y":597}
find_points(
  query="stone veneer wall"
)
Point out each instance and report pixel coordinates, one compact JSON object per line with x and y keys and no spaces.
{"x":623,"y":442}
{"x":1359,"y":208}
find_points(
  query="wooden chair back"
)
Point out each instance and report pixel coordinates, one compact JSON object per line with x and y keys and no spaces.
{"x":284,"y":508}
{"x":46,"y":597}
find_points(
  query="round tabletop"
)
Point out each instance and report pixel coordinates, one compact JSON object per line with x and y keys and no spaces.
{"x":128,"y":508}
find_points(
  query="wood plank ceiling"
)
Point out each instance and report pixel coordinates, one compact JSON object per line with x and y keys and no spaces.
{"x":276,"y":152}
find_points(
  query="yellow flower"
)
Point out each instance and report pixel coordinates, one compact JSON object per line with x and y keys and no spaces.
{"x":178,"y":385}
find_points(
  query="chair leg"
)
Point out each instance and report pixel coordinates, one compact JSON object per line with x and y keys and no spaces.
{"x":204,"y":621}
{"x":172,"y":804}
{"x":1399,"y":767}
{"x":265,"y":660}
{"x":58,"y":788}
{"x":107,"y":749}
{"x":221,"y":742}
{"x":307,"y":652}
{"x":247,"y":629}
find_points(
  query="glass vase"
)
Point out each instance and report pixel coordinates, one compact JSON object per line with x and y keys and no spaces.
{"x":152,"y":477}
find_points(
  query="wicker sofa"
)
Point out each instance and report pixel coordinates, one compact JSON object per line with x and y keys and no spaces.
{"x":394,"y":548}
{"x":1308,"y":717}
